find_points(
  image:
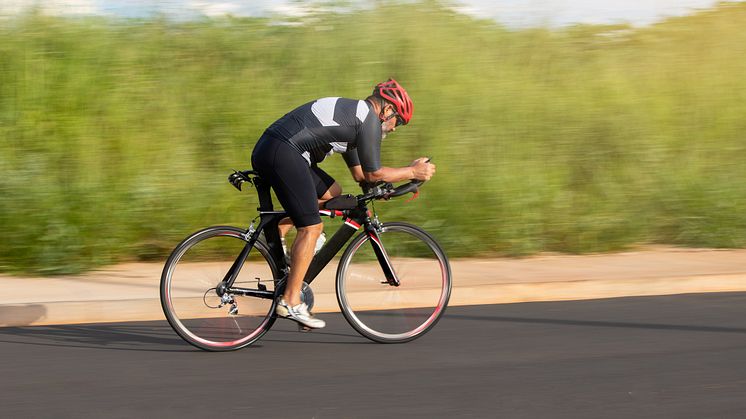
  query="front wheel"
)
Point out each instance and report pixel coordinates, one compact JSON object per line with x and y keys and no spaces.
{"x":189,"y":294}
{"x":389,"y":313}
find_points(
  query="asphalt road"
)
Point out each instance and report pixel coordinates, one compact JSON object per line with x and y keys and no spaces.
{"x":672,"y":356}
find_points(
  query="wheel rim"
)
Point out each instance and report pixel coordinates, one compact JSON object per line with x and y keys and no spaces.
{"x":192,"y":304}
{"x":393,"y":313}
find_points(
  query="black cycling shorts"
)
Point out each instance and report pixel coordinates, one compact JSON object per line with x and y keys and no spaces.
{"x":297,"y":185}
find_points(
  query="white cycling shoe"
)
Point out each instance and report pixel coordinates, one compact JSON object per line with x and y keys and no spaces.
{"x":299,"y":314}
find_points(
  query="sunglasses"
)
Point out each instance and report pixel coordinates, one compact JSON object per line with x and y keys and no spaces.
{"x":399,"y":119}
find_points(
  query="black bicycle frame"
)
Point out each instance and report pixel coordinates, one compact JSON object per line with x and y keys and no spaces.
{"x":268,"y":223}
{"x":355,"y":219}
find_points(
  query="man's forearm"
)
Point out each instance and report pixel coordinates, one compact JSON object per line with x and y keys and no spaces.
{"x":390,"y":174}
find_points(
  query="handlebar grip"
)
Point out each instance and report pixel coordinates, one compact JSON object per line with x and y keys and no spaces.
{"x":405,"y":189}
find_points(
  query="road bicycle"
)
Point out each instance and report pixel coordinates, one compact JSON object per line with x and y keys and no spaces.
{"x":219,"y":286}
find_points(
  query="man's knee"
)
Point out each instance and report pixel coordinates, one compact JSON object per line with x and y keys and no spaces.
{"x":312,"y":229}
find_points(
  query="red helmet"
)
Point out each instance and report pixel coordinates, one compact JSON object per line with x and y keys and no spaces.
{"x":394,"y":93}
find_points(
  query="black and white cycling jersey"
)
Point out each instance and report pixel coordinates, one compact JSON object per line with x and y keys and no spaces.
{"x":333,"y":125}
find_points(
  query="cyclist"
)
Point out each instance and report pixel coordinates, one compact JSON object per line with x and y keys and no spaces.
{"x":287,"y":154}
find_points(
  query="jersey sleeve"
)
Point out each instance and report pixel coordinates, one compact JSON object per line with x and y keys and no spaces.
{"x":369,"y":143}
{"x":351,"y":157}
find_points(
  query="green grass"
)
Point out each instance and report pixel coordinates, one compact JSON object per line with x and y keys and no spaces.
{"x":116,"y":136}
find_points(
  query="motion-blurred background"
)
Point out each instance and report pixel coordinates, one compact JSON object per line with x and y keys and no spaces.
{"x":556,"y":126}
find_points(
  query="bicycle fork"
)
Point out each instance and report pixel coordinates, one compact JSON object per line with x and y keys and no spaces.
{"x":336,"y":242}
{"x":383,"y":258}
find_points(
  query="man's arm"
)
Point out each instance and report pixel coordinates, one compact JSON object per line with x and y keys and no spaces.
{"x":390,"y":174}
{"x":357,"y":173}
{"x":420,"y":169}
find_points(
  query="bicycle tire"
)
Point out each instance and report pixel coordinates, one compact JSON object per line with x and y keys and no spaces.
{"x":192,"y":271}
{"x":394,"y":314}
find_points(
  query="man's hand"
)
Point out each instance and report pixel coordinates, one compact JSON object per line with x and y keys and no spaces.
{"x":422,"y":168}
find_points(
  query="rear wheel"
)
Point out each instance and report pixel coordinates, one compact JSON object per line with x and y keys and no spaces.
{"x":189,"y":294}
{"x":387,"y":313}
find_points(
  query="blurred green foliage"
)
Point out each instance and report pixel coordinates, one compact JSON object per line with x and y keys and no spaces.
{"x":116,"y":136}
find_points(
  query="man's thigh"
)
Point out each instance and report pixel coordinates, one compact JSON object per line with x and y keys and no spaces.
{"x":326,"y":187}
{"x":292,"y":180}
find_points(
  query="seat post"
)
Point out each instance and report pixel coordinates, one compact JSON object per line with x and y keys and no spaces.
{"x":265,"y":198}
{"x":269,"y":223}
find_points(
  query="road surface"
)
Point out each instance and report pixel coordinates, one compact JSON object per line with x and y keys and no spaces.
{"x":668,"y":356}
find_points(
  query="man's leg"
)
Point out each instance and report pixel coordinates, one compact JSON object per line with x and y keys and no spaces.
{"x":290,"y":177}
{"x":284,"y":226}
{"x":334,"y":190}
{"x":290,"y":305}
{"x":303,"y":248}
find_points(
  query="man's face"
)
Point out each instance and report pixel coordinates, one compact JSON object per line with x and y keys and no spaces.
{"x":389,"y":120}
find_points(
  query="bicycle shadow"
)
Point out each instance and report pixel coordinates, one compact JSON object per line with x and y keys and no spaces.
{"x":149,"y":337}
{"x":152,"y":337}
{"x":314,"y":337}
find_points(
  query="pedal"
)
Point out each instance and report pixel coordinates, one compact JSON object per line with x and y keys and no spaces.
{"x":304,"y":329}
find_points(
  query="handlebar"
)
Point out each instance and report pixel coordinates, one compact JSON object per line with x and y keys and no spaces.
{"x":406,"y":188}
{"x":387,"y":191}
{"x":380,"y":190}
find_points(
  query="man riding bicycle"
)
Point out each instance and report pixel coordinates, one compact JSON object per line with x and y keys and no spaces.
{"x":287,"y":154}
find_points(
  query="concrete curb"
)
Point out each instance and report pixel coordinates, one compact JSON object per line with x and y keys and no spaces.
{"x":145,"y":309}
